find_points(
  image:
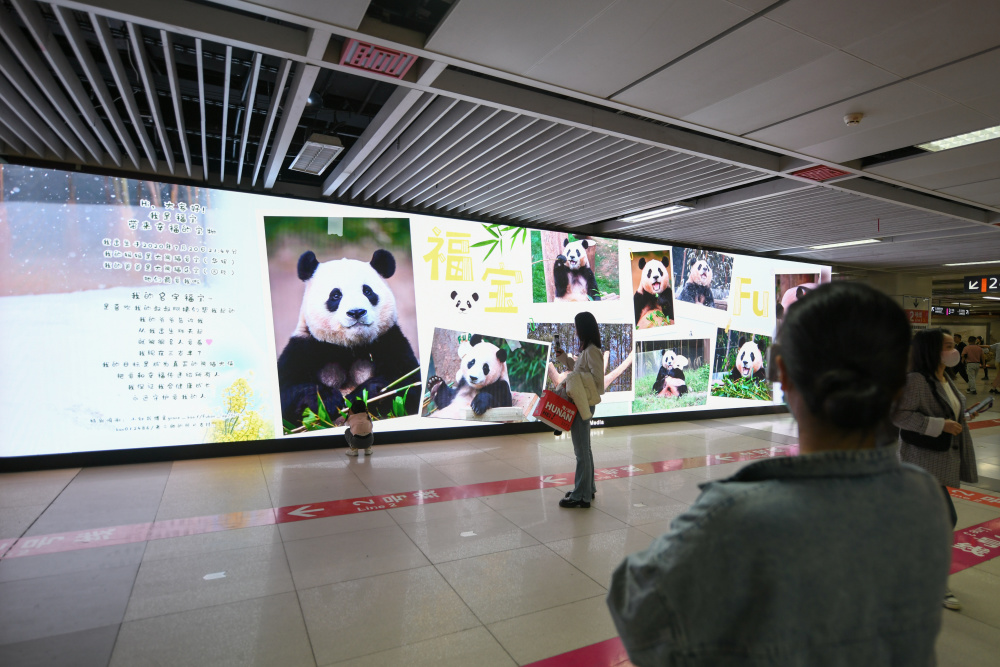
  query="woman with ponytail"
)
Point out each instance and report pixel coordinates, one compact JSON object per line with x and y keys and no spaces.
{"x":837,"y":556}
{"x":930,"y":414}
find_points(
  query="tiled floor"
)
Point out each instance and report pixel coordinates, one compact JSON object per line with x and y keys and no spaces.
{"x":498,"y":580}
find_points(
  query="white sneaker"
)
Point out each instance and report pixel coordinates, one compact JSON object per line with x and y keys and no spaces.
{"x":351,"y":451}
{"x":951,"y":602}
{"x":368,"y":451}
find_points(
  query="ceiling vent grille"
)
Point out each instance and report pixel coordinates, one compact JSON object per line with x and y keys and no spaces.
{"x":317,"y":154}
{"x":820,"y":173}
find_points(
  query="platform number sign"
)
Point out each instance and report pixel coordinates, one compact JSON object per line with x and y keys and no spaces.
{"x":982,"y":283}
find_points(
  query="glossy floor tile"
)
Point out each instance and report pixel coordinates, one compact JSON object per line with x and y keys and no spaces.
{"x":502,"y":579}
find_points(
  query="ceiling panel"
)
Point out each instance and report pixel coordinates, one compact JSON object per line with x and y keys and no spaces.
{"x":964,"y":82}
{"x":903,"y":114}
{"x":512,"y":35}
{"x":832,"y":77}
{"x":631,"y":40}
{"x":985,"y":192}
{"x":846,"y":22}
{"x":756,"y":53}
{"x":923,"y":256}
{"x":347,"y":13}
{"x":945,"y":169}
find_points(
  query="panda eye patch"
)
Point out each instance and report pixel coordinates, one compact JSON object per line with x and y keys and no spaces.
{"x":336,"y":294}
{"x":486,"y":369}
{"x":472,"y":363}
{"x":370,"y":294}
{"x":751,"y":356}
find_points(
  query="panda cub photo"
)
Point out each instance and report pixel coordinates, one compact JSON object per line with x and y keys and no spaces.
{"x":749,"y":362}
{"x":698,"y":286}
{"x":347,"y":338}
{"x":653,"y":301}
{"x":573,"y":276}
{"x":670,"y":380}
{"x":481,"y":382}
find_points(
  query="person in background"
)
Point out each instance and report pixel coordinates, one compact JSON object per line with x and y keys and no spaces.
{"x":359,"y":430}
{"x":995,"y":387}
{"x":742,"y":578}
{"x":986,"y":352}
{"x":590,"y":362}
{"x":959,"y":368}
{"x":972,"y":355}
{"x":931,"y":416}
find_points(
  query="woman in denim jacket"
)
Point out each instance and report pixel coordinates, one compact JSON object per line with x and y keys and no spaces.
{"x":838,"y":556}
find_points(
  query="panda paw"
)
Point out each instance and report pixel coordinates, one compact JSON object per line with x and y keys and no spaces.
{"x":561,"y":260}
{"x":481,"y":403}
{"x":434,"y":383}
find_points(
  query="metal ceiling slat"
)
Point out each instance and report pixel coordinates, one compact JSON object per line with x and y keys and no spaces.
{"x":146,"y":75}
{"x":57,"y":60}
{"x":22,"y":130}
{"x":272,"y":112}
{"x":200,"y":61}
{"x":77,"y":42}
{"x":526,"y":161}
{"x":616,"y":206}
{"x":622,"y":155}
{"x":36,"y":99}
{"x":10,"y":138}
{"x":248,"y":105}
{"x":430,"y":161}
{"x":391,"y":120}
{"x":527,"y":178}
{"x":226,"y":81}
{"x":435,"y":172}
{"x":438,"y":107}
{"x":114,"y":61}
{"x":657,"y":186}
{"x":417,"y":149}
{"x":625,"y":173}
{"x":529,"y":185}
{"x":22,"y":111}
{"x":175,"y":95}
{"x":496,"y":168}
{"x":518,"y":131}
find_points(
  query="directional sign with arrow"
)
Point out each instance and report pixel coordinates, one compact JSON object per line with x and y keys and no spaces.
{"x":982,"y":283}
{"x":305,"y":512}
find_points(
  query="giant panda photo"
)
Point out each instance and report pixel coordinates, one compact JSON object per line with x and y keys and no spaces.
{"x":567,"y":268}
{"x":653,"y":297}
{"x":739,"y":369}
{"x":349,"y":306}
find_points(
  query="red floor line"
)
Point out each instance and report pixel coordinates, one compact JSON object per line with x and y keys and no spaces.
{"x":986,"y":423}
{"x":609,"y":653}
{"x":100,"y":537}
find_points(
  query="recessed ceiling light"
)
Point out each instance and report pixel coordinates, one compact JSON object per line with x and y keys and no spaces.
{"x":992,"y":298}
{"x":958,"y":303}
{"x":844,"y":244}
{"x":661,"y":212}
{"x":989,"y":261}
{"x":962,"y":139}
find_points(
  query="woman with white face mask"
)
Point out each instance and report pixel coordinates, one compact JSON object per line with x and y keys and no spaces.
{"x":930,"y":414}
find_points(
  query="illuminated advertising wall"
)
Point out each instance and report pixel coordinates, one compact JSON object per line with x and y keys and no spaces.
{"x":140,"y":314}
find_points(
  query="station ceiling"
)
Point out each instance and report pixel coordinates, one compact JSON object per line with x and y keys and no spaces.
{"x":570,"y":114}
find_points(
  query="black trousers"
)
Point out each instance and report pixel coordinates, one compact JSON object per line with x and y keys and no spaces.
{"x":951,"y":507}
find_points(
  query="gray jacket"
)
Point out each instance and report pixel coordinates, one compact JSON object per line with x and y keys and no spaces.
{"x":822,"y":560}
{"x":918,"y":410}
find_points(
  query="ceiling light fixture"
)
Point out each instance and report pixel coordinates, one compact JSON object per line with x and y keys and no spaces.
{"x":844,"y":244}
{"x":989,"y":261}
{"x":962,"y":139}
{"x":661,"y":212}
{"x":959,"y":303}
{"x":992,"y":298}
{"x":317,"y":154}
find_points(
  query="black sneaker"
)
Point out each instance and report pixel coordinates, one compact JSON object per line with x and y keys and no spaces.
{"x":566,"y":502}
{"x":557,"y":432}
{"x":570,"y":493}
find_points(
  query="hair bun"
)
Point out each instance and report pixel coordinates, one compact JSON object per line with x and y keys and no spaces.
{"x":848,"y":398}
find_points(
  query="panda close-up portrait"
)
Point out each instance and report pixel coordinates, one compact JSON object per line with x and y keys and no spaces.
{"x":481,"y":382}
{"x":698,"y":287}
{"x":749,"y":362}
{"x":792,"y":295}
{"x":347,"y":336}
{"x":670,"y":380}
{"x":654,"y":293}
{"x":573,"y":277}
{"x":464,"y":302}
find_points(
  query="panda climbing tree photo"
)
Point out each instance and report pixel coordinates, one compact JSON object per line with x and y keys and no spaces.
{"x":653,"y":300}
{"x":566,"y":268}
{"x":346,"y":302}
{"x":739,"y":369}
{"x":475,"y":377}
